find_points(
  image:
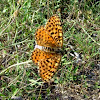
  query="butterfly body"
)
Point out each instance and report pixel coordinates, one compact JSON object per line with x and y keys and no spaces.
{"x":49,"y":39}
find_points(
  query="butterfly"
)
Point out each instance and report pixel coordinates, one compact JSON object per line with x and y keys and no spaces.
{"x":49,"y":39}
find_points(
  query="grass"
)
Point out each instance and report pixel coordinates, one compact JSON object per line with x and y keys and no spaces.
{"x":78,"y":74}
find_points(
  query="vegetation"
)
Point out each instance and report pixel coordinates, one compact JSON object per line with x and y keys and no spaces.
{"x":79,"y":71}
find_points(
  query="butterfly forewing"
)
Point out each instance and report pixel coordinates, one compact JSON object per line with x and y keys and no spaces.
{"x":54,"y":29}
{"x":49,"y":66}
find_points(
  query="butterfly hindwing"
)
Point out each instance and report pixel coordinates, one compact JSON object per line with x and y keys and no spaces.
{"x":38,"y":55}
{"x":44,"y":39}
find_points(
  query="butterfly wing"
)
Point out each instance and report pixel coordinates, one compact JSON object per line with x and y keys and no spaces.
{"x":54,"y":29}
{"x":38,"y":54}
{"x":47,"y":62}
{"x":44,"y":39}
{"x":48,"y":67}
{"x":51,"y":35}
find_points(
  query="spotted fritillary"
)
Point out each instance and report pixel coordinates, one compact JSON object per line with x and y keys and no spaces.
{"x":49,"y":39}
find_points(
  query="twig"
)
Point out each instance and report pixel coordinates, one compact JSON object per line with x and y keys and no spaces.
{"x":14,"y":66}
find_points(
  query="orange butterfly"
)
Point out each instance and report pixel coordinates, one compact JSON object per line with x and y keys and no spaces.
{"x":49,"y":39}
